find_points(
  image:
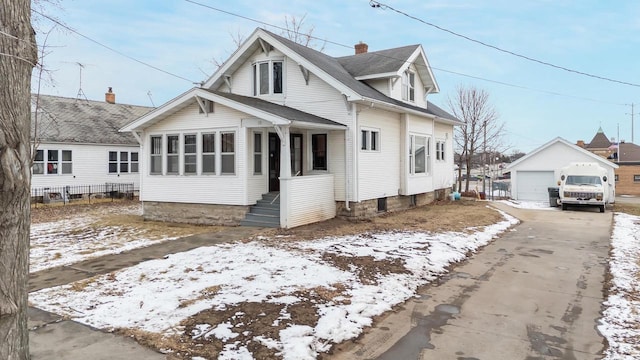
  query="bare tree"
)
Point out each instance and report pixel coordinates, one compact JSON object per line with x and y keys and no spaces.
{"x":296,"y":32}
{"x":481,"y":131}
{"x":18,"y":56}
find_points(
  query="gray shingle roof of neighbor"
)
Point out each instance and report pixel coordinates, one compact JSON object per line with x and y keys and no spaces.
{"x":629,"y":152}
{"x":80,"y":121}
{"x":334,"y":68}
{"x":377,"y":62}
{"x":275,"y":109}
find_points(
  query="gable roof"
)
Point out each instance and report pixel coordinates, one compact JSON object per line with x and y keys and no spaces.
{"x":595,"y":157}
{"x":328,"y":69}
{"x":70,"y":120}
{"x":274,"y":113}
{"x":599,"y":141}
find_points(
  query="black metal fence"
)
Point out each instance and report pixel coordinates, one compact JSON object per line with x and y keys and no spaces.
{"x":66,"y":194}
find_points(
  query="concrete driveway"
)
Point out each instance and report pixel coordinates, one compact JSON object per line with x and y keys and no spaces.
{"x":533,"y":294}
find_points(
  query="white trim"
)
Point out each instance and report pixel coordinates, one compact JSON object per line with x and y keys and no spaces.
{"x":563,"y":141}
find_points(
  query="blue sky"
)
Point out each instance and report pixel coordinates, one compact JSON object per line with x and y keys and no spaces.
{"x":536,"y":102}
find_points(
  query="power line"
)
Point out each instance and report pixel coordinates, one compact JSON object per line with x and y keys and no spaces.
{"x":112,"y":49}
{"x":379,"y":5}
{"x":393,"y":58}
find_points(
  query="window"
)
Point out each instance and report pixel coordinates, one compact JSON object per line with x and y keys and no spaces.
{"x":123,"y":162}
{"x":113,"y":162}
{"x":268,"y":78}
{"x":172,"y":154}
{"x":257,"y":153}
{"x":636,"y":178}
{"x":38,"y":162}
{"x":419,"y":158}
{"x":319,"y":151}
{"x":616,"y":177}
{"x":52,"y":161}
{"x":440,"y":150}
{"x":156,"y":155}
{"x":208,"y":104}
{"x":382,"y":204}
{"x":227,"y":153}
{"x":208,"y":153}
{"x":408,"y":86}
{"x":370,"y":139}
{"x":190,"y":154}
{"x":134,"y":162}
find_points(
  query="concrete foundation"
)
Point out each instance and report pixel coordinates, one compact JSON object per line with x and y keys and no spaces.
{"x":370,"y":208}
{"x":202,"y":214}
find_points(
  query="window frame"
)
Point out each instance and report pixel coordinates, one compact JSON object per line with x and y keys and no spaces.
{"x":193,"y":154}
{"x":636,"y":177}
{"x":257,"y":153}
{"x":208,"y":154}
{"x":440,"y":150}
{"x":275,"y":80}
{"x":317,"y":154}
{"x":156,"y":155}
{"x":224,"y":153}
{"x":120,"y":161}
{"x":369,"y":139}
{"x":174,"y":155}
{"x":413,"y":156}
{"x":409,"y":85}
{"x":38,"y":162}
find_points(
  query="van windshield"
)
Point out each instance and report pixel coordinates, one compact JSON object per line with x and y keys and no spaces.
{"x":583,"y":180}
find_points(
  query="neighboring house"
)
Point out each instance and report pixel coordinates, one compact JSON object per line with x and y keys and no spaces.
{"x":534,"y":173}
{"x":78,"y":142}
{"x":624,"y":154}
{"x":281,"y":123}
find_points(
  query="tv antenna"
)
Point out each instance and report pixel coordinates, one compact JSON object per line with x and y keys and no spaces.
{"x":80,"y":93}
{"x":150,"y":98}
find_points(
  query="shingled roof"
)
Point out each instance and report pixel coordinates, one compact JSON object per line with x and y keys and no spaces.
{"x":599,"y":141}
{"x":629,"y":153}
{"x":70,"y":120}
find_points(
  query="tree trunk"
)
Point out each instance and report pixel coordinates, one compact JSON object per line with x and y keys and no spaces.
{"x":18,"y":55}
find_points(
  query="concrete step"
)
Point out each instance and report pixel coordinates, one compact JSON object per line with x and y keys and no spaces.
{"x":261,"y":220}
{"x":264,"y":210}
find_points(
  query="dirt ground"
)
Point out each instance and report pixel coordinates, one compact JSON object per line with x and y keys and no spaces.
{"x":253,"y":320}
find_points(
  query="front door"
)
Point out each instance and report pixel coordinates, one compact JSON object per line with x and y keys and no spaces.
{"x":274,"y":158}
{"x":274,"y":162}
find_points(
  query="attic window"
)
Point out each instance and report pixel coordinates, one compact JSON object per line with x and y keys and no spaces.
{"x":208,"y":104}
{"x":267,"y":78}
{"x":409,"y":86}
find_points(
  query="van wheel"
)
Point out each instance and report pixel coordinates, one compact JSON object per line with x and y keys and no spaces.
{"x":601,"y":208}
{"x":564,"y":206}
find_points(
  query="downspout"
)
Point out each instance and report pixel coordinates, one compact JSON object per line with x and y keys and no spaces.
{"x":346,"y":171}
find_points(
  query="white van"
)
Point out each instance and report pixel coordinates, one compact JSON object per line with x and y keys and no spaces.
{"x":583,"y":184}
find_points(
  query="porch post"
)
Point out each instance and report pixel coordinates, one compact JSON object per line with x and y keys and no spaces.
{"x":285,"y":174}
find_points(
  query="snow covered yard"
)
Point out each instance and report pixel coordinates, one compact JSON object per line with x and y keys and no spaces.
{"x":265,"y":298}
{"x":621,"y":318}
{"x":95,"y":232}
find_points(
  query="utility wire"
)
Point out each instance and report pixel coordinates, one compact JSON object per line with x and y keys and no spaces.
{"x":404,"y":60}
{"x":114,"y":50}
{"x":382,"y":6}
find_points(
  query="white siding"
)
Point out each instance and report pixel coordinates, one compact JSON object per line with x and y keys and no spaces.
{"x":443,"y":176}
{"x":257,"y":184}
{"x":336,"y":149}
{"x":309,"y":199}
{"x":379,"y":171}
{"x":201,"y":189}
{"x":382,"y":85}
{"x":90,"y":166}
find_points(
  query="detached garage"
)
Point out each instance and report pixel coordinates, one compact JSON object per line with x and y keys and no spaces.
{"x":535,"y":172}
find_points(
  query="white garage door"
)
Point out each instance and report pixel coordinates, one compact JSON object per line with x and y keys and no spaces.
{"x":532,"y":185}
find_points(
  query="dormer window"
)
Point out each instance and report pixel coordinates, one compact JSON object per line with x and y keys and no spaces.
{"x":267,"y":76}
{"x":408,"y":86}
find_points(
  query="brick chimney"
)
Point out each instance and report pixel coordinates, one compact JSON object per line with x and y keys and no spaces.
{"x":580,"y":143}
{"x":110,"y":96}
{"x":361,"y":48}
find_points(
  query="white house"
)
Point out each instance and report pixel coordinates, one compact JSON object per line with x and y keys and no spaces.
{"x":534,"y":173}
{"x":78,"y":142}
{"x":284,"y":135}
